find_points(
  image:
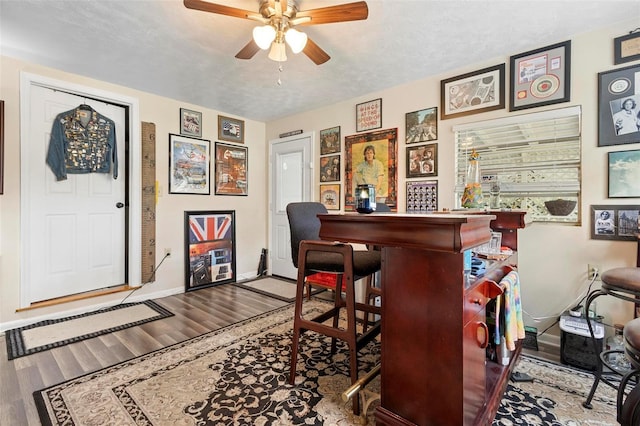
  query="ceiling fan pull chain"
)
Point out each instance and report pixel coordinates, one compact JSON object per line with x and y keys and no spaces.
{"x":280,"y":69}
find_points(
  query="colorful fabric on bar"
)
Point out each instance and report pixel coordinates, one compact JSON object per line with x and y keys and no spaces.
{"x":514,"y":324}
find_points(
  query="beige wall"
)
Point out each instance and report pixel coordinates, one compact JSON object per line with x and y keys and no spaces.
{"x":250,"y":227}
{"x":553,"y":258}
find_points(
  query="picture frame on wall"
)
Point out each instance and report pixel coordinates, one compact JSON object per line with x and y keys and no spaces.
{"x":230,"y":129}
{"x":541,"y":77}
{"x":422,"y":160}
{"x":189,"y":165}
{"x":330,"y":196}
{"x":190,"y":123}
{"x":210,"y":248}
{"x":473,"y":92}
{"x":330,"y":168}
{"x":421,"y":126}
{"x":330,"y":140}
{"x":618,"y":106}
{"x":626,"y":48}
{"x":369,"y":115}
{"x":231,"y":169}
{"x":379,"y":168}
{"x":615,"y":222}
{"x":624,"y":174}
{"x":422,"y":196}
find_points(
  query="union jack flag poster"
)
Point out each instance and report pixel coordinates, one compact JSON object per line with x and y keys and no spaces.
{"x":210,"y":227}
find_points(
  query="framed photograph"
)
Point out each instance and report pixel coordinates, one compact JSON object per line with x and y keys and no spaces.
{"x":189,"y":165}
{"x":615,"y":222}
{"x":230,"y":129}
{"x":231,"y":169}
{"x":624,"y":174}
{"x":422,"y":196}
{"x":471,"y":93}
{"x":541,"y":77}
{"x":371,"y":158}
{"x":330,"y":168}
{"x":210,"y":248}
{"x":190,"y":123}
{"x":618,"y":106}
{"x":626,"y":48}
{"x":421,"y":126}
{"x":422,"y":160}
{"x":369,"y":115}
{"x":330,"y":140}
{"x":330,"y":196}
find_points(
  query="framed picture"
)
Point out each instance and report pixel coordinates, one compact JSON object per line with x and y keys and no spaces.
{"x":421,"y":126}
{"x":422,"y":160}
{"x":618,"y":106}
{"x":189,"y":165}
{"x":190,"y":123}
{"x":231,"y":169}
{"x":369,"y":115}
{"x":617,"y":222}
{"x":626,"y":48}
{"x":471,"y":93}
{"x":210,"y":248}
{"x":371,"y":158}
{"x":541,"y":77}
{"x":230,"y":129}
{"x":624,"y":174}
{"x":422,"y":196}
{"x":330,"y":168}
{"x":330,"y":196}
{"x":330,"y":140}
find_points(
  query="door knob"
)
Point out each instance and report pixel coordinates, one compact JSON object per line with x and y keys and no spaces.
{"x":119,"y":205}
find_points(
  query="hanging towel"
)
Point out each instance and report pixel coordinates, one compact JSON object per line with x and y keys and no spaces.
{"x":513,"y":323}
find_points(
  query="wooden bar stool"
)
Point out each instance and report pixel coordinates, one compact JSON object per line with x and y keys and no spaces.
{"x":629,"y":410}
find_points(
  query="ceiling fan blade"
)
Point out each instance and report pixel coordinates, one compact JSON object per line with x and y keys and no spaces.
{"x":248,"y":51}
{"x":205,"y":6}
{"x":315,"y":53}
{"x":341,"y":13}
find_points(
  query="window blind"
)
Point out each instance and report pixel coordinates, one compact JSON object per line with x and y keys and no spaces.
{"x":532,"y":158}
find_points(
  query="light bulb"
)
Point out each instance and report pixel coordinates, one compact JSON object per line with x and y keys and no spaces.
{"x":263,"y":36}
{"x":277,"y":52}
{"x":296,"y":40}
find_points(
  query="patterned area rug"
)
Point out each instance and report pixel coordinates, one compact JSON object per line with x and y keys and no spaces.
{"x":54,"y":333}
{"x":238,"y":375}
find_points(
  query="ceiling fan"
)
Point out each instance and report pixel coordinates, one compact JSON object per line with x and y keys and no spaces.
{"x":278,"y":18}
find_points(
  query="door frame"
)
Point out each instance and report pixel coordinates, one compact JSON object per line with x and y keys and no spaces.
{"x":27,"y":81}
{"x":309,"y":190}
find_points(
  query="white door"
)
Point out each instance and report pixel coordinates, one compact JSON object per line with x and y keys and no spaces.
{"x":76,"y":235}
{"x":291,"y":175}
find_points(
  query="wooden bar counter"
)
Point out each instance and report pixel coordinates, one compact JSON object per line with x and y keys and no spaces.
{"x":434,"y":369}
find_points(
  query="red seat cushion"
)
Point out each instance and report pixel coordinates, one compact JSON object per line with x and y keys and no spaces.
{"x":324,"y":279}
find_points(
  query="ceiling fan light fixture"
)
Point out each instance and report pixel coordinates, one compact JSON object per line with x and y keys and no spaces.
{"x":277,"y":52}
{"x":296,"y":40}
{"x":264,"y":36}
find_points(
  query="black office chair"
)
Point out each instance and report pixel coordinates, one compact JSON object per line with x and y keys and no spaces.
{"x":311,"y":255}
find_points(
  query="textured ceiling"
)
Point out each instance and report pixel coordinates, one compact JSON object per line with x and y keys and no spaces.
{"x":161,"y":47}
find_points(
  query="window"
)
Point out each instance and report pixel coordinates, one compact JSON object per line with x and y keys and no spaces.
{"x":532,"y":159}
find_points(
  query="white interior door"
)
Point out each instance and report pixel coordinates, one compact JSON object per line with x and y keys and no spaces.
{"x":291,"y":175}
{"x":76,"y":235}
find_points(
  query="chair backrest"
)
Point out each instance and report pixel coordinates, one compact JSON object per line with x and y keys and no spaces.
{"x":303,"y":224}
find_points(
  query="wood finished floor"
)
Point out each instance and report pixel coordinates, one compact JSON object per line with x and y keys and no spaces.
{"x":195,"y":313}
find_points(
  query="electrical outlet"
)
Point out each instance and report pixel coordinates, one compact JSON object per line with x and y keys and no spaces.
{"x":167,"y":252}
{"x":593,"y":270}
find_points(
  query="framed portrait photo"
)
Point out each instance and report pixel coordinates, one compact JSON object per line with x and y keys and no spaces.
{"x":541,"y":77}
{"x":231,"y":169}
{"x":472,"y":93}
{"x":619,"y":106}
{"x":422,"y":196}
{"x":615,"y":222}
{"x":330,"y":168}
{"x":330,"y":140}
{"x":230,"y":129}
{"x":369,"y":115}
{"x":189,"y":165}
{"x":371,"y":158}
{"x":624,"y":174}
{"x":626,"y":48}
{"x":190,"y":123}
{"x":422,"y":160}
{"x":421,"y":126}
{"x":330,"y":196}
